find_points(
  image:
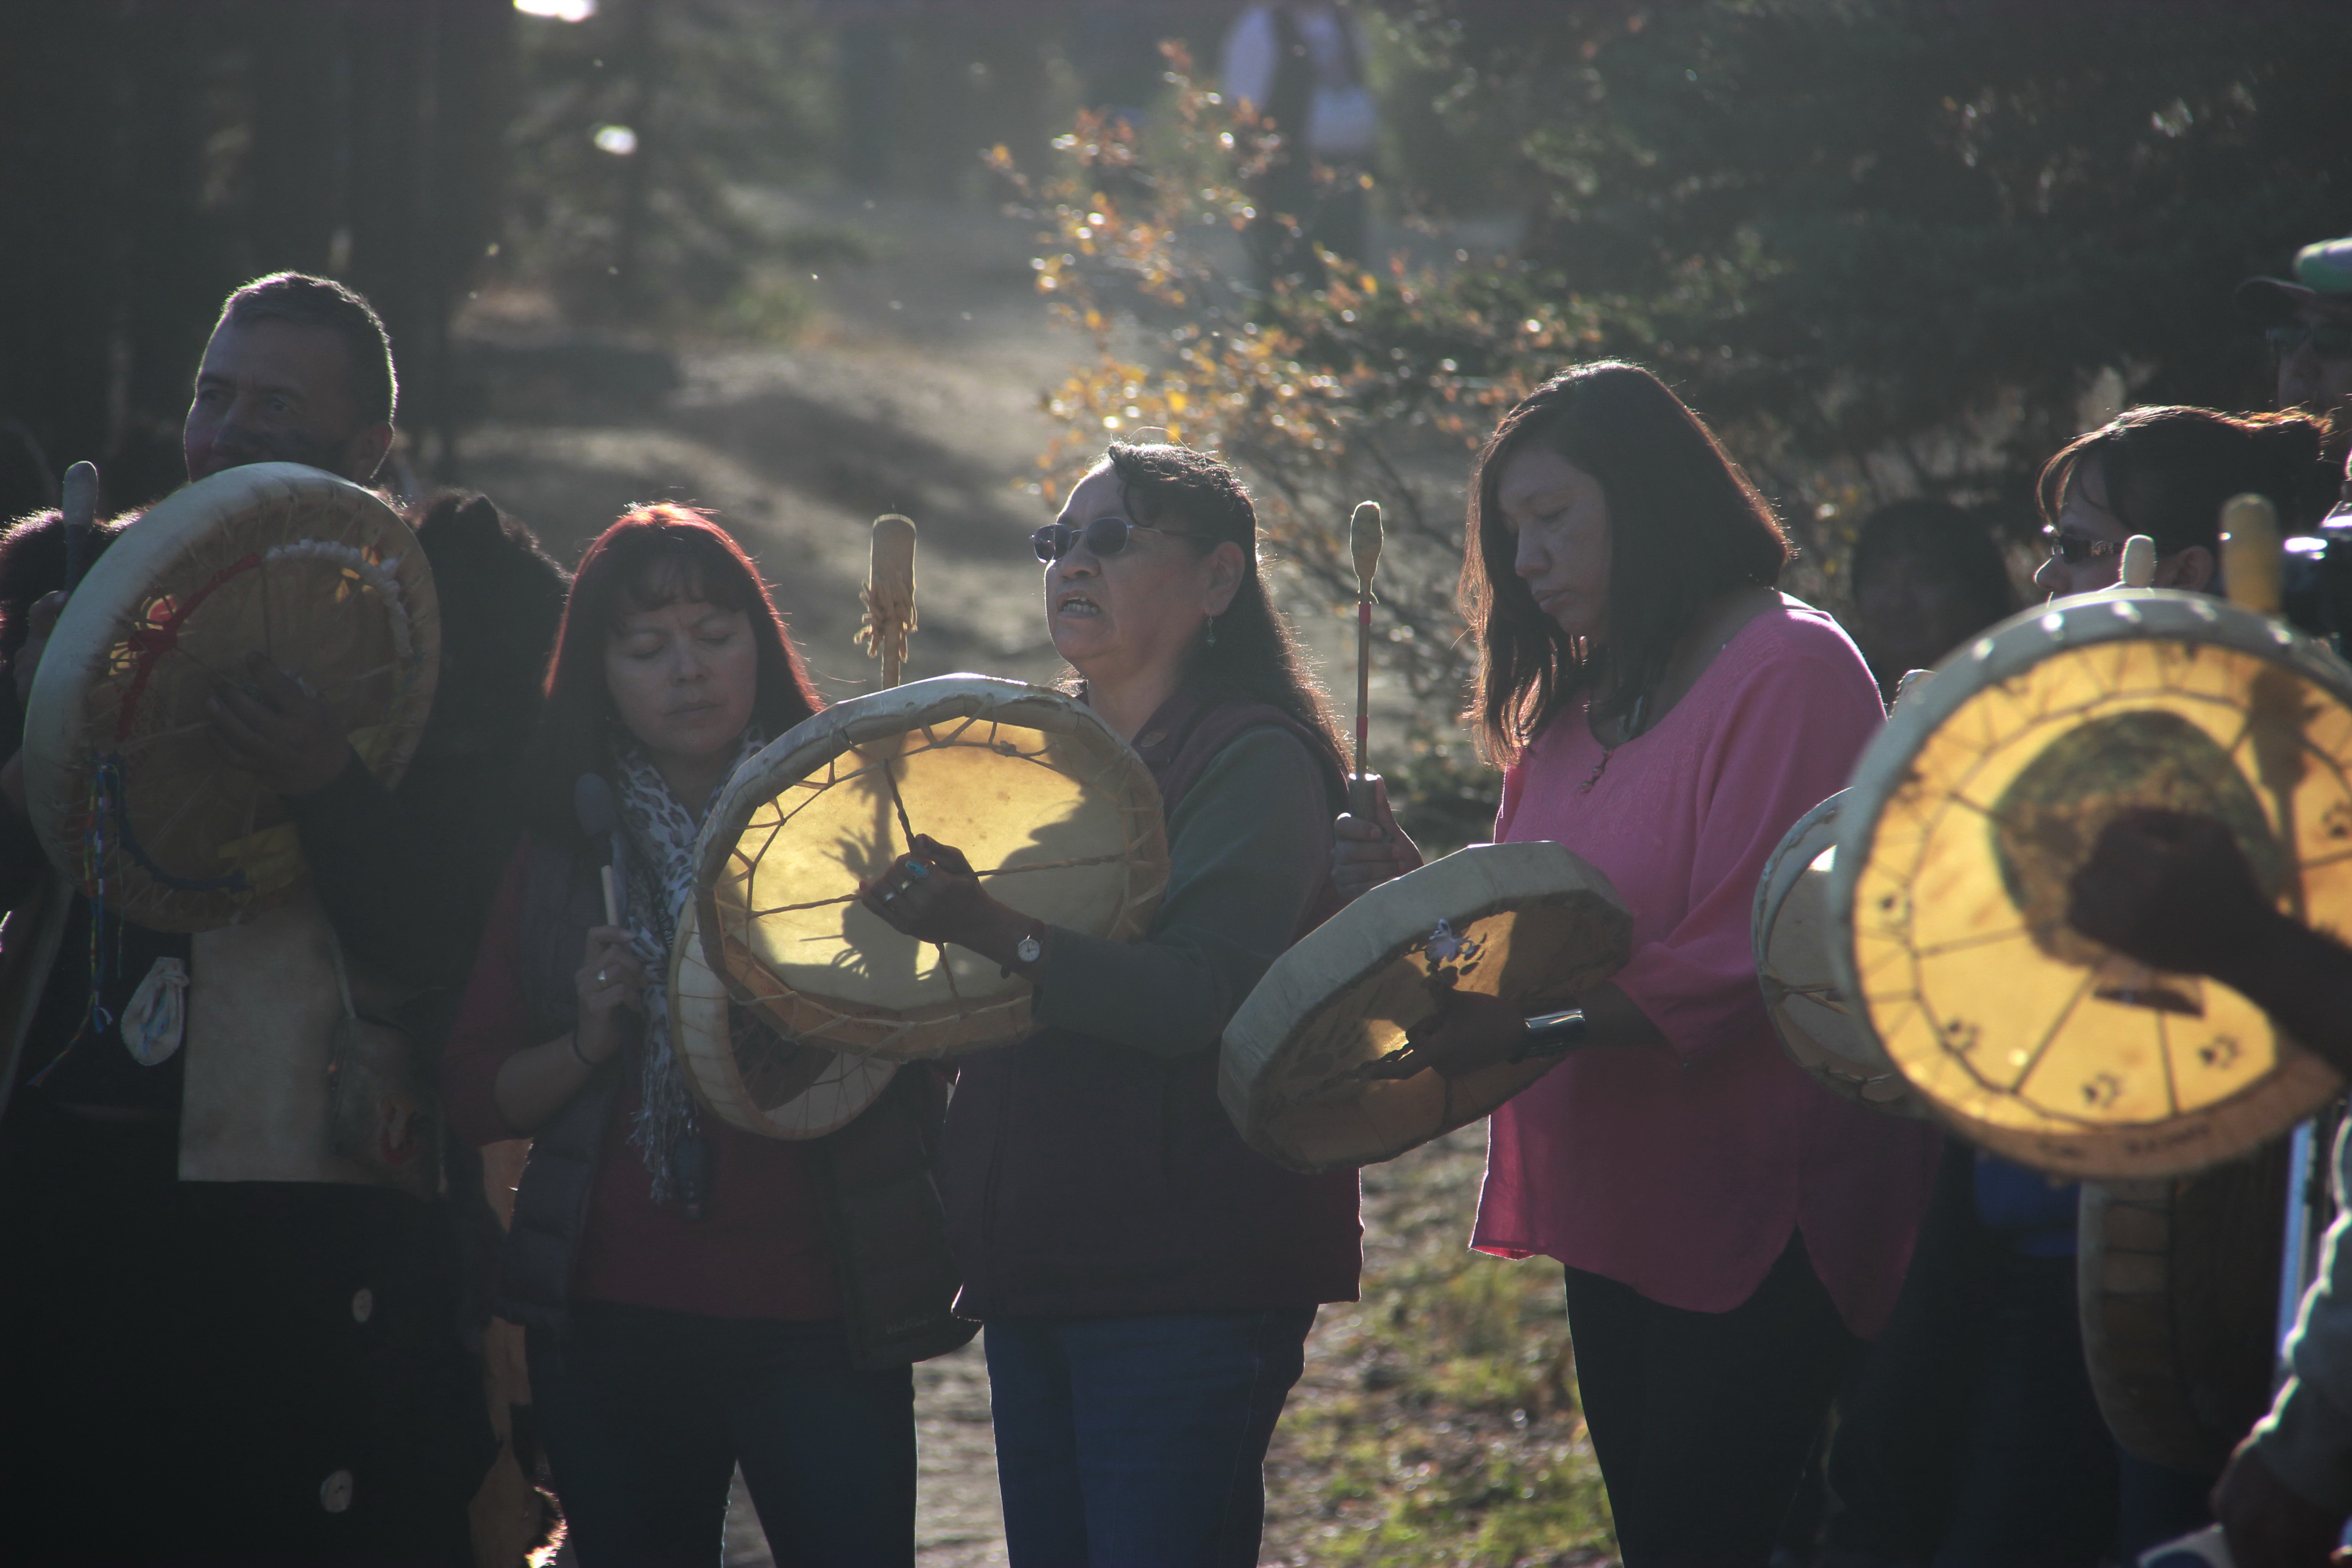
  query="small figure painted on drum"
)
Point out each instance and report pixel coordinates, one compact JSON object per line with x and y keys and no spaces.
{"x":682,"y":1287}
{"x":1666,"y":715}
{"x":1142,"y":1271}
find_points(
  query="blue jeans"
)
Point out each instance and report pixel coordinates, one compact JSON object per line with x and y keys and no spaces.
{"x":644,"y":1415}
{"x":1139,"y":1442}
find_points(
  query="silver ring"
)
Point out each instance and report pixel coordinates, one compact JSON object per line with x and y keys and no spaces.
{"x":604,"y":977}
{"x":890,"y":895}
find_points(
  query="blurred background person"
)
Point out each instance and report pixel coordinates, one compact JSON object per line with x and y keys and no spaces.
{"x":1926,"y":576}
{"x":1301,"y":68}
{"x":2307,"y":323}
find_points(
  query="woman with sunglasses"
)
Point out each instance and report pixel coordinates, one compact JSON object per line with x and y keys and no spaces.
{"x":695,"y":1298}
{"x":1731,"y":1232}
{"x":1147,"y":1280}
{"x":2165,"y":472}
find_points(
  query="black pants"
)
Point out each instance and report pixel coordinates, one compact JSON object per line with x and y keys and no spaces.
{"x":645,"y":1413}
{"x":246,"y":1372}
{"x":1973,"y":1439}
{"x":1703,"y":1422}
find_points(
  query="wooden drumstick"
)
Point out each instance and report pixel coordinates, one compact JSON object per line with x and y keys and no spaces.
{"x":890,"y":595}
{"x":2138,"y":568}
{"x":2254,"y":558}
{"x":1364,"y":544}
{"x":81,"y":520}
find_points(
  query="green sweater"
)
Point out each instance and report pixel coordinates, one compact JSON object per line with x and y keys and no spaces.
{"x":1246,"y":850}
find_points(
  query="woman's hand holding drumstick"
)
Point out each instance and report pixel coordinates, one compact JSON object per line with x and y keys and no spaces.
{"x":934,"y":895}
{"x":1370,"y":849}
{"x":610,"y":983}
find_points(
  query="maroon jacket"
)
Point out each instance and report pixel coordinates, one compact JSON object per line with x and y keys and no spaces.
{"x":1084,"y":1178}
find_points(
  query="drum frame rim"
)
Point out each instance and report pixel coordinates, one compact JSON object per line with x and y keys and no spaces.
{"x":829,"y":733}
{"x":55,"y":706}
{"x":753,"y":1120}
{"x":1242,"y":1100}
{"x":1849,"y":1086}
{"x":2000,"y":653}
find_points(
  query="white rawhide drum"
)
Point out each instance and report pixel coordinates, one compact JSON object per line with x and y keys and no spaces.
{"x":747,"y":1074}
{"x":132,"y":796}
{"x":1530,"y":924}
{"x":1973,"y":808}
{"x":1793,"y":936}
{"x":1060,"y":818}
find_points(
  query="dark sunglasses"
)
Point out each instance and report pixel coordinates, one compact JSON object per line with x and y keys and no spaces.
{"x":1103,"y":537}
{"x":2073,"y":549}
{"x":2328,"y":340}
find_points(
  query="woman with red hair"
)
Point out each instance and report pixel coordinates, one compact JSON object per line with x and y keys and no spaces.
{"x":691,"y":1292}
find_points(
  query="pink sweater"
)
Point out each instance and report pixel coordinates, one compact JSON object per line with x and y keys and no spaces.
{"x":1680,"y":1172}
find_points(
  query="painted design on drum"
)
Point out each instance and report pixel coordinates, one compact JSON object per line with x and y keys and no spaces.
{"x":270,"y":860}
{"x":2028,"y":1035}
{"x":133,"y":796}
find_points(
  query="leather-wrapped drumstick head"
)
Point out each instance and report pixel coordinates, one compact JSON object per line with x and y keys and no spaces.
{"x":2254,"y":560}
{"x":1364,"y":540}
{"x":890,"y":589}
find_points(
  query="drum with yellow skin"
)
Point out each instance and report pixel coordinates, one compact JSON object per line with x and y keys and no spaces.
{"x":131,"y":795}
{"x":1059,"y":817}
{"x":1971,"y":811}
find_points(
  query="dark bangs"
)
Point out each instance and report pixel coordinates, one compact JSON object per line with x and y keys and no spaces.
{"x":655,"y":555}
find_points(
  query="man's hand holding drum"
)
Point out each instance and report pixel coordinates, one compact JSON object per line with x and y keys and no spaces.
{"x":276,"y":728}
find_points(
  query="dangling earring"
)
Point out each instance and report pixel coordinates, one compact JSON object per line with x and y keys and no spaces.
{"x":1210,"y":639}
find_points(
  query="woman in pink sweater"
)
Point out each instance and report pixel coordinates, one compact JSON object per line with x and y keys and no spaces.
{"x":1731,"y":1232}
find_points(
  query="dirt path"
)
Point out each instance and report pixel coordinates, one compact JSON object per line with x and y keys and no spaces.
{"x":916,"y":391}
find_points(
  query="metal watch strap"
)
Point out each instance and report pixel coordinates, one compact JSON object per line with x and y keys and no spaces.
{"x":1552,"y":1035}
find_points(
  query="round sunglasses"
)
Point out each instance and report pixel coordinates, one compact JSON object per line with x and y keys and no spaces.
{"x":1103,"y":537}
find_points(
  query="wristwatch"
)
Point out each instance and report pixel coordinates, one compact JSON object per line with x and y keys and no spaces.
{"x":1032,"y":946}
{"x":1551,"y":1034}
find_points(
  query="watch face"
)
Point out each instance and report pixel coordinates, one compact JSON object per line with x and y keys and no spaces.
{"x":1029,"y":949}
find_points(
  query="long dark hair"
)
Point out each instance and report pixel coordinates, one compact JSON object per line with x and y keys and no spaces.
{"x":1685,"y":528}
{"x":1255,"y":653}
{"x":2167,"y":471}
{"x":653,"y":556}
